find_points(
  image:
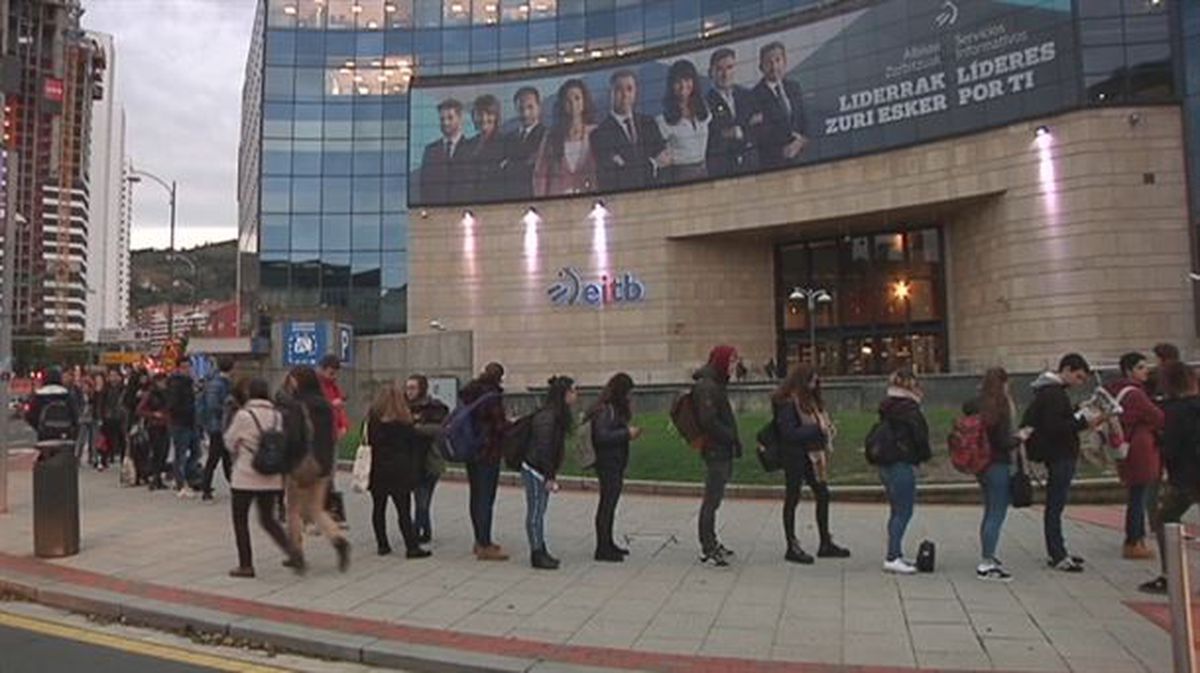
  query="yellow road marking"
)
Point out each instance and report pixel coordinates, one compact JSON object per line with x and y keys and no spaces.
{"x":113,"y":642}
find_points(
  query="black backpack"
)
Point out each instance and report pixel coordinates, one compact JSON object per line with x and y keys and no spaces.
{"x":926,"y":557}
{"x":271,"y":457}
{"x":516,"y":441}
{"x":56,"y":422}
{"x":882,"y":445}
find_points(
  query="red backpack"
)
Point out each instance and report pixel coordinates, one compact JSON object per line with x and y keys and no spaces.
{"x":970,"y":451}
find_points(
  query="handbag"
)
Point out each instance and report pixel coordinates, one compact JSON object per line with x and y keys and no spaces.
{"x":362,"y":462}
{"x":1021,"y":486}
{"x":768,"y":447}
{"x":129,"y":473}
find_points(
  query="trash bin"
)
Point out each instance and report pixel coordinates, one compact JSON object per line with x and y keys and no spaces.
{"x":56,"y":500}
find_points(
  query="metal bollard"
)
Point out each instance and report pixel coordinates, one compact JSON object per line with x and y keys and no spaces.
{"x":1181,"y":599}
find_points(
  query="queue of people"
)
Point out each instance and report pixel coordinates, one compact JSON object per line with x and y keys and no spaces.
{"x":1152,"y":415}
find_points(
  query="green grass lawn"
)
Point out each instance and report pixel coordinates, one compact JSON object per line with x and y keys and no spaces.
{"x":660,"y":455}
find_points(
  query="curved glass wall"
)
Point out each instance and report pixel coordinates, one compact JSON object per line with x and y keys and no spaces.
{"x":327,"y":216}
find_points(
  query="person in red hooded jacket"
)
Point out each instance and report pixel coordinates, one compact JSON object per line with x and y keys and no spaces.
{"x":330,"y":366}
{"x":1141,"y":422}
{"x":721,"y":447}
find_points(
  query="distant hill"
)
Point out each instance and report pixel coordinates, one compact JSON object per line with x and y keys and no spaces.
{"x":216,"y":275}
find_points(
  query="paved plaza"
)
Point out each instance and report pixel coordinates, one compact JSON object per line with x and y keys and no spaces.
{"x":662,"y":601}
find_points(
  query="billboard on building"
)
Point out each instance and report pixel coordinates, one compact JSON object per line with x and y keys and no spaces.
{"x":896,"y":73}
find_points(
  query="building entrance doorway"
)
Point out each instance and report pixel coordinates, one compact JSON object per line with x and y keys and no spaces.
{"x":863,"y":304}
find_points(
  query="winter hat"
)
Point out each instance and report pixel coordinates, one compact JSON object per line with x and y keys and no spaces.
{"x":719,"y":358}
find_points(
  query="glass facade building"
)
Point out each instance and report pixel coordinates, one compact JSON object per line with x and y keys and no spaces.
{"x":324,"y":156}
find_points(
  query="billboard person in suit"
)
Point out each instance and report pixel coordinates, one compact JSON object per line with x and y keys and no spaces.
{"x":781,"y":138}
{"x":521,"y":146}
{"x":487,"y":151}
{"x":565,"y":163}
{"x":628,"y":146}
{"x":445,"y":160}
{"x":734,"y":118}
{"x":684,"y":124}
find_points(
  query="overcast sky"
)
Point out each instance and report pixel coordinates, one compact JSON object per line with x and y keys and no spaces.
{"x":180,"y":65}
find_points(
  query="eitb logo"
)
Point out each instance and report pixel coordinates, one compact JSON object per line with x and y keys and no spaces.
{"x":571,"y":290}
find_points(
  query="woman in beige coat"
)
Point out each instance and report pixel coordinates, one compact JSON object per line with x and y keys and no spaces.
{"x":242,"y":438}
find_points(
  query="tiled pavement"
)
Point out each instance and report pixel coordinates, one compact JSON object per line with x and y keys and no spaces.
{"x":661,"y":600}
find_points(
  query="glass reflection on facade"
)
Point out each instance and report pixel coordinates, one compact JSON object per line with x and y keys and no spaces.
{"x":323,"y":215}
{"x":887,"y":304}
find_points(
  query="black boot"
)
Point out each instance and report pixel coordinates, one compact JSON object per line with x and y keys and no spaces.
{"x":610,"y":554}
{"x":830,"y":550}
{"x":342,"y":547}
{"x":797,"y":555}
{"x":540,"y":560}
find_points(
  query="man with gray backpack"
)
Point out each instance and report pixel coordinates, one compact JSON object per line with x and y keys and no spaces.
{"x":52,"y":412}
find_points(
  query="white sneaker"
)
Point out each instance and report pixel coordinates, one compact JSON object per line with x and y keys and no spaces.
{"x":992,"y":572}
{"x":186,"y":493}
{"x":899,"y":567}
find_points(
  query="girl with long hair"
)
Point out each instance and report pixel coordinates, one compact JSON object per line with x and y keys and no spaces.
{"x":996,"y":409}
{"x":549,"y":428}
{"x":806,"y":433}
{"x":397,"y":463}
{"x":684,"y":124}
{"x":901,"y":410}
{"x":611,"y":434}
{"x":564,"y":163}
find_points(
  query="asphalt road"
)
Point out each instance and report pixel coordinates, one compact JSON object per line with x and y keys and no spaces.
{"x":24,"y":651}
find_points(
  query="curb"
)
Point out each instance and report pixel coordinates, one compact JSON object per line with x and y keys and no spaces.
{"x":1094,"y":491}
{"x":303,"y":640}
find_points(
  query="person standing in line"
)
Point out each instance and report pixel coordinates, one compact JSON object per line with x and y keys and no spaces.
{"x":1141,"y":423}
{"x":110,"y":411}
{"x":397,"y":463}
{"x":1180,"y":439}
{"x":309,"y":424}
{"x":85,"y":441}
{"x":243,"y":438}
{"x":1164,"y":353}
{"x":543,"y":459}
{"x":153,"y":412}
{"x":612,"y":432}
{"x":181,"y":410}
{"x":428,"y":414}
{"x":997,"y":410}
{"x":483,"y":473}
{"x":901,"y":409}
{"x":807,"y":439}
{"x":218,"y":394}
{"x":331,"y":365}
{"x":718,"y":426}
{"x":1055,"y":441}
{"x":683,"y":124}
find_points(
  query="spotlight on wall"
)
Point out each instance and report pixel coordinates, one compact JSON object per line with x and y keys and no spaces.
{"x":436,"y":325}
{"x":1041,"y":131}
{"x":1134,"y":119}
{"x":598,"y":210}
{"x":424,"y":214}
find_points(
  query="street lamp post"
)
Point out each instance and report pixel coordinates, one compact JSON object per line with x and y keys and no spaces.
{"x":813,"y":296}
{"x":135,"y":177}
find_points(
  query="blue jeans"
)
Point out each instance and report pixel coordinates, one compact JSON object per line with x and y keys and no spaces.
{"x":187,"y":453}
{"x":423,"y":499}
{"x":900,"y":482}
{"x":1058,"y":486}
{"x":996,"y":494}
{"x":483,"y":478}
{"x":1135,"y":514}
{"x":537,"y":498}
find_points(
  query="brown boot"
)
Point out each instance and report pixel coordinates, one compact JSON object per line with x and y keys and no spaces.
{"x":1137,"y":551}
{"x":492,"y":552}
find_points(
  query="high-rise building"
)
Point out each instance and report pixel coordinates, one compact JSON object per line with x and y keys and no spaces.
{"x":109,"y":215}
{"x":588,"y":185}
{"x":49,"y":107}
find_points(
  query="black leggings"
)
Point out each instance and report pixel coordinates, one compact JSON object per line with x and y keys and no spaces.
{"x":612,"y":479}
{"x":160,"y":443}
{"x":266,"y":518}
{"x":798,"y":473}
{"x":403,"y":502}
{"x":217,"y":454}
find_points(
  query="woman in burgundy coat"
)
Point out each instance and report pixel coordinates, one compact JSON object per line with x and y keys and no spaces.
{"x":1141,"y":421}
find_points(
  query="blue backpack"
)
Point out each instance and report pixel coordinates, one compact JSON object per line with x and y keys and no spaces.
{"x":463,"y":436}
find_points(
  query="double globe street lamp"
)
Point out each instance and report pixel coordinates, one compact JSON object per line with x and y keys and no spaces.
{"x":812,"y":296}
